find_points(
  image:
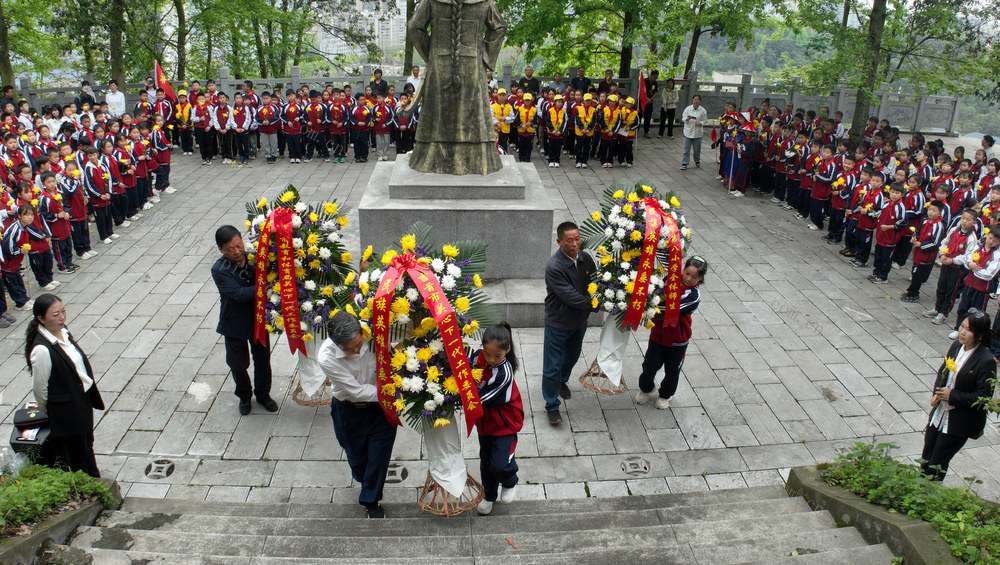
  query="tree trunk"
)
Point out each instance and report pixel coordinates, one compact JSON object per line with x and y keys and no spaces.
{"x":259,"y":40}
{"x":182,"y":33}
{"x":236,"y":59}
{"x":847,"y":12}
{"x":116,"y":17}
{"x":695,"y":36}
{"x":272,"y":60}
{"x":677,"y":54}
{"x":873,"y":44}
{"x":283,"y":53}
{"x":411,"y":5}
{"x":208,"y":51}
{"x":6,"y":68}
{"x":625,"y":66}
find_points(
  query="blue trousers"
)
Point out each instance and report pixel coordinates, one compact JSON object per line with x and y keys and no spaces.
{"x":367,"y":440}
{"x":15,"y":287}
{"x":561,"y":351}
{"x":496,"y":464}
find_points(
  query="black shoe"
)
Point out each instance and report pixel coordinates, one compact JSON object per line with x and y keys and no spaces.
{"x":697,"y":163}
{"x":908,"y":298}
{"x":832,"y":242}
{"x":564,"y":391}
{"x":244,"y":407}
{"x":554,"y":417}
{"x":269,"y":404}
{"x":375,"y":511}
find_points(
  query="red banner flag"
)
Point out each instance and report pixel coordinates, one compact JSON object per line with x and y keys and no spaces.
{"x":280,"y":221}
{"x":656,"y":219}
{"x":163,"y":82}
{"x":643,"y":96}
{"x":715,"y":136}
{"x":451,"y":335}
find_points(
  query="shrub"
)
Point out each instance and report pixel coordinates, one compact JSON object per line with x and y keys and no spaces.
{"x":36,"y":491}
{"x":969,"y":525}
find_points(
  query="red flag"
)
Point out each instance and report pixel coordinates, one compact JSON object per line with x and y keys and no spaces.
{"x":715,"y":136}
{"x":643,"y":97}
{"x":164,"y":83}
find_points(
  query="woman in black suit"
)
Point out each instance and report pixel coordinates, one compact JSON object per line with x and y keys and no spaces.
{"x":964,"y":378}
{"x":64,"y":387}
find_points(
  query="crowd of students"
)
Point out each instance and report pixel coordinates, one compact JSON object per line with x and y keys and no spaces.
{"x":887,"y":202}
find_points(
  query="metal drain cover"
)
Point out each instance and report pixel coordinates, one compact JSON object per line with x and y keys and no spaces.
{"x":160,"y":469}
{"x":635,"y":466}
{"x":397,"y":473}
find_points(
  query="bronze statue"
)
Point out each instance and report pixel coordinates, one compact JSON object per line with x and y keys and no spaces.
{"x":456,"y":133}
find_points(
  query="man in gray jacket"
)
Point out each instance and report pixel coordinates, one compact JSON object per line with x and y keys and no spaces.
{"x":567,"y":307}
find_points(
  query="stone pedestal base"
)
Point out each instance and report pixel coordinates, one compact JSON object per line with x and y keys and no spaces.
{"x":518,"y":231}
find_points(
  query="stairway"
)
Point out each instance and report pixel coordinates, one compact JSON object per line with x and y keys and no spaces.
{"x":755,"y":525}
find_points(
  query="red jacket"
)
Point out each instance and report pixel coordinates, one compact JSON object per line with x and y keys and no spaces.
{"x":503,"y":412}
{"x":679,"y":333}
{"x":204,"y":115}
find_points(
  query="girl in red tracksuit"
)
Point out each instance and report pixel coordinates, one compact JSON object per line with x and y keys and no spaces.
{"x":668,"y":342}
{"x":503,"y":415}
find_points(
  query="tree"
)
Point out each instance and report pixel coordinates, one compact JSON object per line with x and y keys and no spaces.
{"x":26,"y":38}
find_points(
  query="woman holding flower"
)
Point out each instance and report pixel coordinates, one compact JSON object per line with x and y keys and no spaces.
{"x":965,"y":377}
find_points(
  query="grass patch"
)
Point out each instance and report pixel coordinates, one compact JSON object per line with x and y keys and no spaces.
{"x":970,"y":525}
{"x":37,"y":491}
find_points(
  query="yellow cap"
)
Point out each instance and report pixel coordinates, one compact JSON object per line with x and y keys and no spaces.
{"x":588,"y":96}
{"x":557,"y":97}
{"x":613,"y":98}
{"x":502,"y":91}
{"x":528,"y":96}
{"x":630,"y":100}
{"x":182,"y":92}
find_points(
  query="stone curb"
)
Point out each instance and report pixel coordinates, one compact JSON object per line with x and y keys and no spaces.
{"x":58,"y":528}
{"x":916,"y":541}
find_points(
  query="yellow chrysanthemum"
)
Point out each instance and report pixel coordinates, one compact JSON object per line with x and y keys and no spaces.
{"x":425,"y":261}
{"x":636,"y":235}
{"x":349,"y":309}
{"x":327,"y":290}
{"x":349,"y":278}
{"x":247,"y":224}
{"x":279,"y":322}
{"x":276,"y":287}
{"x":330,"y":208}
{"x":461,"y":304}
{"x":345,"y":257}
{"x":601,"y":250}
{"x":424,"y":354}
{"x":387,"y":256}
{"x":343,"y":221}
{"x":470,"y":328}
{"x":400,"y":306}
{"x":288,"y":196}
{"x":271,"y":277}
{"x":628,"y":210}
{"x":418,"y":331}
{"x":605,"y":260}
{"x":477,"y":280}
{"x":300,"y":253}
{"x":262,"y":203}
{"x":364,"y":287}
{"x":428,"y":323}
{"x":477,"y":375}
{"x":450,"y":386}
{"x":591,"y":288}
{"x":313,"y":250}
{"x":397,"y":380}
{"x":649,"y":324}
{"x":629,"y":286}
{"x":450,"y":251}
{"x":367,"y":254}
{"x":365,"y":314}
{"x":674,"y":201}
{"x":312,"y":239}
{"x":398,"y":360}
{"x":442,"y":422}
{"x":399,"y":405}
{"x":408,"y":242}
{"x":307,"y":337}
{"x":975,"y":256}
{"x":272,"y":256}
{"x":269,"y":328}
{"x":633,"y":197}
{"x":389,"y":389}
{"x":313,"y":217}
{"x":433,"y":374}
{"x":366,"y":331}
{"x":300,"y":273}
{"x":618,"y":194}
{"x":594,"y":303}
{"x":949,"y":363}
{"x":596,"y":216}
{"x":647,"y":189}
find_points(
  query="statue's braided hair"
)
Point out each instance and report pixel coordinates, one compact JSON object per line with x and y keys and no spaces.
{"x":456,"y":40}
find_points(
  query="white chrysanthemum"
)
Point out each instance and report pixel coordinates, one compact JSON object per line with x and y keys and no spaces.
{"x":650,"y":312}
{"x":433,"y":388}
{"x":656,"y":300}
{"x":606,"y":276}
{"x":250,"y":248}
{"x":301,"y":207}
{"x":259,"y":219}
{"x":412,"y":365}
{"x":318,"y":320}
{"x":681,"y":220}
{"x":306,"y":306}
{"x":673,"y":215}
{"x":661,"y":244}
{"x":400,"y":284}
{"x":363,"y":278}
{"x":324,"y":253}
{"x":630,"y":226}
{"x":402,"y":319}
{"x":625,"y":264}
{"x":664,"y":204}
{"x":413,"y":384}
{"x":607,"y":306}
{"x":333,"y":237}
{"x":653,"y":279}
{"x":435,"y":346}
{"x":615,"y":210}
{"x":309,"y":285}
{"x":320,"y":302}
{"x":296,"y":222}
{"x":454,"y":270}
{"x":297,"y":242}
{"x":447,"y":282}
{"x":297,"y":263}
{"x":411,"y":351}
{"x":376,"y":275}
{"x":609,"y":293}
{"x":616,"y":245}
{"x":302,"y":326}
{"x":650,"y":289}
{"x":608,"y":232}
{"x":620,"y":295}
{"x":439,"y":399}
{"x":429,"y":405}
{"x":275,"y":298}
{"x":622,"y":305}
{"x":437,"y":264}
{"x":683,"y":244}
{"x":623,"y":279}
{"x":412,"y":294}
{"x":685,"y":232}
{"x":620,"y":233}
{"x":330,"y":225}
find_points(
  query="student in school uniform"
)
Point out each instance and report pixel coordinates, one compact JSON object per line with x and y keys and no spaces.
{"x":74,"y":202}
{"x":915,"y":203}
{"x":361,"y":119}
{"x":776,"y":154}
{"x":182,"y":120}
{"x":807,"y":173}
{"x":556,"y":120}
{"x":982,"y":263}
{"x":243,"y":125}
{"x":222,"y":127}
{"x":141,"y":160}
{"x":160,"y":147}
{"x":269,"y":122}
{"x":868,"y":210}
{"x":892,"y":223}
{"x":339,"y":123}
{"x":628,"y":126}
{"x":841,"y":191}
{"x":165,"y":108}
{"x":16,"y":244}
{"x":126,"y":200}
{"x":956,"y":242}
{"x":142,"y":111}
{"x":584,"y":122}
{"x":503,"y":114}
{"x":822,"y":191}
{"x":51,"y":210}
{"x":95,"y":181}
{"x":39,"y":238}
{"x":315,"y":136}
{"x":382,"y":116}
{"x":406,"y":127}
{"x":526,"y":119}
{"x":201,"y":118}
{"x":927,"y":241}
{"x":110,"y":164}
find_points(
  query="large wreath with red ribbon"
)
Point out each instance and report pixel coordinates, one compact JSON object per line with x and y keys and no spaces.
{"x":303,"y":270}
{"x":423,"y":304}
{"x":638,"y":237}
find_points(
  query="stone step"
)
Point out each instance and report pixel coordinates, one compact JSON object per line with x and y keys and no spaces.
{"x":845,"y":556}
{"x":480,"y":542}
{"x":399,"y":510}
{"x":521,"y":302}
{"x":130,"y":557}
{"x":769,"y":549}
{"x":512,"y":522}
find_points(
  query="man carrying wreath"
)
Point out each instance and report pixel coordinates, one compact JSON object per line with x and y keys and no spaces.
{"x":358,"y":421}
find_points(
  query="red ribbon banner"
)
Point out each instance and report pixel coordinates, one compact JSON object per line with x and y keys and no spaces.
{"x":656,"y":218}
{"x":451,"y":335}
{"x":280,"y":220}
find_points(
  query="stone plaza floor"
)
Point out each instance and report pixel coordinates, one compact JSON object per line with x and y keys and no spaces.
{"x":795,"y":355}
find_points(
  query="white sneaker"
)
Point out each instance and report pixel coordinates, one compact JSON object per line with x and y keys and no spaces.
{"x":155,"y":193}
{"x":662,"y":403}
{"x":507,"y":495}
{"x":484,"y":508}
{"x":938,"y":320}
{"x":57,"y":283}
{"x":126,"y":224}
{"x":735,"y":193}
{"x":115,"y":236}
{"x":155,"y":200}
{"x":953,"y":335}
{"x":49,"y":286}
{"x":136,"y":216}
{"x":718,"y":177}
{"x":169,"y":190}
{"x":552,"y":165}
{"x":579,"y":165}
{"x":27,"y":306}
{"x":641,"y":397}
{"x":557,"y":165}
{"x":108,"y":241}
{"x":147,"y":206}
{"x":930,"y":313}
{"x":88,"y":254}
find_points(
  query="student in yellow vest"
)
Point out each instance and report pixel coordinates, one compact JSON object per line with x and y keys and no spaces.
{"x":610,"y":117}
{"x":527,"y":118}
{"x":583,"y":127}
{"x":555,"y":128}
{"x":628,"y":125}
{"x":503,"y":114}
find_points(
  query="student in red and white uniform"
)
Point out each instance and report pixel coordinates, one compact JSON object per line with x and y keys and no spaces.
{"x":927,"y":240}
{"x":268,"y":121}
{"x":841,"y":191}
{"x":382,"y":120}
{"x":822,"y":191}
{"x":958,"y":240}
{"x":51,"y":210}
{"x":222,"y":127}
{"x":291,"y":120}
{"x":96,"y":182}
{"x":867,"y":211}
{"x":981,"y":263}
{"x":315,"y":118}
{"x":244,"y":125}
{"x":201,"y":117}
{"x":892,"y":224}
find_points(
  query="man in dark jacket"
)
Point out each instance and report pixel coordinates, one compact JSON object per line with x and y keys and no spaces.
{"x":567,"y":307}
{"x":234,"y":277}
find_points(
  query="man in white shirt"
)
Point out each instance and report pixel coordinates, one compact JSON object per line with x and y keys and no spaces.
{"x":115,"y":99}
{"x":358,"y":421}
{"x":414,"y":77}
{"x":694,"y":118}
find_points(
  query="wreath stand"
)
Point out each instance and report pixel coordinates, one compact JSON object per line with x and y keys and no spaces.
{"x":449,"y":490}
{"x":436,"y":501}
{"x":594,"y":379}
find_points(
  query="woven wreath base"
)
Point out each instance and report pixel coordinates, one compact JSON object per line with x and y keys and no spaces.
{"x":435,"y":500}
{"x":594,"y":379}
{"x":322,"y":397}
